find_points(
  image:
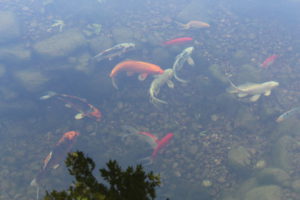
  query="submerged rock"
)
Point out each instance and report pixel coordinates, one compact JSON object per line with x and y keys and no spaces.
{"x":9,"y":26}
{"x":15,"y":53}
{"x":239,"y":158}
{"x":196,"y":10}
{"x":31,"y":80}
{"x":270,"y":192}
{"x":60,"y":45}
{"x":281,"y":156}
{"x":273,"y":176}
{"x":122,"y":34}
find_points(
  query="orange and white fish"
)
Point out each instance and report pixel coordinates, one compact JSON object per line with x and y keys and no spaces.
{"x":83,"y":108}
{"x":133,"y":66}
{"x":56,"y":156}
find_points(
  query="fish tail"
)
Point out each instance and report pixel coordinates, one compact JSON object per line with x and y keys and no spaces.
{"x":179,"y":79}
{"x":181,"y":25}
{"x":37,"y":192}
{"x":156,"y":101}
{"x":233,"y":88}
{"x":114,"y":83}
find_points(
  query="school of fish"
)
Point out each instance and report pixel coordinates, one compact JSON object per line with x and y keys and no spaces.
{"x":160,"y":77}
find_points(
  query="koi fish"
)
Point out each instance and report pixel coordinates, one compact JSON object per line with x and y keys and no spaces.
{"x":158,"y":82}
{"x":83,"y":108}
{"x":155,"y":143}
{"x":178,"y":41}
{"x":254,"y":89}
{"x":133,"y":66}
{"x":269,"y":61}
{"x":56,"y":156}
{"x":114,"y":51}
{"x":194,"y":24}
{"x":185,"y":55}
{"x":288,"y":114}
{"x":161,"y":144}
{"x":147,"y":137}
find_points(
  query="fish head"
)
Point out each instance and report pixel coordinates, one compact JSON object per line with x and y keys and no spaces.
{"x":189,"y":50}
{"x":273,"y":84}
{"x":97,"y":114}
{"x":71,"y":135}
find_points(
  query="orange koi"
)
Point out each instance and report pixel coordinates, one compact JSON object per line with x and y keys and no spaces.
{"x":56,"y":156}
{"x":133,"y":66}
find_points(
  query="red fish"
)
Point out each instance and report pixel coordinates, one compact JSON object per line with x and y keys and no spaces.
{"x":269,"y":61}
{"x":57,"y":155}
{"x":83,"y":108}
{"x":178,"y":40}
{"x":160,"y":144}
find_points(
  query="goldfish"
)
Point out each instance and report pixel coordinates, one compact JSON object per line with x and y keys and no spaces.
{"x":178,"y":40}
{"x":133,"y":66}
{"x":83,"y":108}
{"x":114,"y":51}
{"x":194,"y":24}
{"x":185,"y":55}
{"x":159,"y":81}
{"x":56,"y":156}
{"x":269,"y":61}
{"x":288,"y":114}
{"x":254,"y":89}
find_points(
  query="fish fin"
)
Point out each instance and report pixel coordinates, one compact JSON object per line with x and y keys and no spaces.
{"x":34,"y":183}
{"x":267,"y":93}
{"x":79,"y":116}
{"x":254,"y":98}
{"x":146,"y":161}
{"x":170,"y":84}
{"x":242,"y":94}
{"x":47,"y":159}
{"x":156,"y":101}
{"x":114,"y":83}
{"x":48,"y":95}
{"x":143,"y":76}
{"x":67,"y":105}
{"x":190,"y":61}
{"x":55,"y":166}
{"x":129,"y":73}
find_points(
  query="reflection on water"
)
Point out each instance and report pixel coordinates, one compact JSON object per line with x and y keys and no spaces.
{"x":225,"y":146}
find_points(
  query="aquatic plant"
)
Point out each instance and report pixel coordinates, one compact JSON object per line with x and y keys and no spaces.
{"x":132,"y":184}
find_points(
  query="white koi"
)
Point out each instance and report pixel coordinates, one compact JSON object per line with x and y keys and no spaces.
{"x":114,"y":51}
{"x":159,"y":81}
{"x":181,"y":58}
{"x":254,"y":89}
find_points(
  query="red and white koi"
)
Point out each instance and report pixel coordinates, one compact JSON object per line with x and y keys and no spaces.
{"x":83,"y":108}
{"x":269,"y":61}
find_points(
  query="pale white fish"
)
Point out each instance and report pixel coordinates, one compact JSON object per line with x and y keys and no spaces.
{"x":157,"y":83}
{"x":114,"y":51}
{"x":184,"y":56}
{"x":255,"y":90}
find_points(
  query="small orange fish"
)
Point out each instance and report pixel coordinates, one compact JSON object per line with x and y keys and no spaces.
{"x":133,"y":66}
{"x":195,"y":24}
